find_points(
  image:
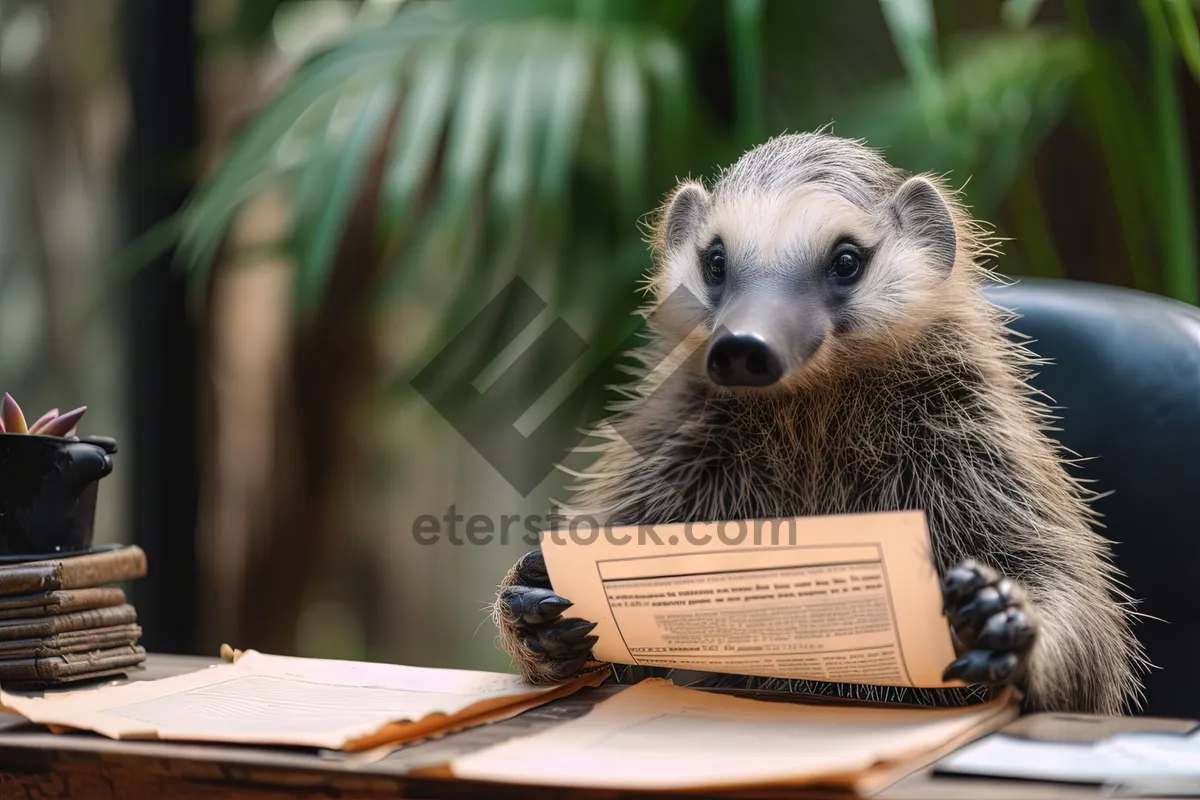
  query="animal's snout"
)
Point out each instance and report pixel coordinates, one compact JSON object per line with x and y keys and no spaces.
{"x":743,"y":359}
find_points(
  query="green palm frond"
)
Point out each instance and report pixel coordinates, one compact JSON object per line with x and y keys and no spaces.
{"x":327,"y":187}
{"x":913,"y":29}
{"x":1187,"y":35}
{"x":497,"y":112}
{"x":1181,"y":278}
{"x":1018,"y":15}
{"x":999,"y":94}
{"x":280,"y":139}
{"x":512,"y":136}
{"x":746,"y":47}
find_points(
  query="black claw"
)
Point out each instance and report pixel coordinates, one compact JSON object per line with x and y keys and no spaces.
{"x":990,"y":624}
{"x":1008,"y":630}
{"x":574,"y":630}
{"x":956,"y":669}
{"x":558,"y":649}
{"x":962,"y":581}
{"x":987,"y":601}
{"x":565,"y":670}
{"x":984,"y":666}
{"x":567,"y":638}
{"x":555,"y":648}
{"x":525,"y":605}
{"x":553,"y":606}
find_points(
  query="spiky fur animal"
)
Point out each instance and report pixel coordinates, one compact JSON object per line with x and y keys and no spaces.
{"x":904,"y":393}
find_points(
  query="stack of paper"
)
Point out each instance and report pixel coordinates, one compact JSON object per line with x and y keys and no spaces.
{"x":654,"y":735}
{"x":1124,"y":759}
{"x":279,"y":700}
{"x":657,"y":736}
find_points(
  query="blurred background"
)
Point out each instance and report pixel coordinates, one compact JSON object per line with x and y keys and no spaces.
{"x":237,"y":229}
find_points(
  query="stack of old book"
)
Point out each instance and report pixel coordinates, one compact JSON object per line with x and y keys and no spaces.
{"x":66,"y":619}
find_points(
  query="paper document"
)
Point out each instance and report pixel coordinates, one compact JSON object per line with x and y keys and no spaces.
{"x":655,"y":735}
{"x":843,"y":599}
{"x":1128,"y":758}
{"x":262,"y":699}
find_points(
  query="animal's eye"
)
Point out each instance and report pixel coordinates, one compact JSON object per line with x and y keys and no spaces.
{"x":846,"y":266}
{"x":714,"y":264}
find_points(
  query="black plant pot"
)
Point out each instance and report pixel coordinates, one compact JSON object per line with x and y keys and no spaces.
{"x":48,"y":488}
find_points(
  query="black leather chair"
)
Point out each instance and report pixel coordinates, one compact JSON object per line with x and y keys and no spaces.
{"x":1126,"y":381}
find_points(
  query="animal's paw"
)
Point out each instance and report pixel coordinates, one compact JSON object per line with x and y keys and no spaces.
{"x":993,"y":624}
{"x":544,"y":646}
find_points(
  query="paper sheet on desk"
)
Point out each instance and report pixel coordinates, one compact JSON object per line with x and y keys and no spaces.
{"x":655,"y":736}
{"x":844,"y":599}
{"x":279,"y":700}
{"x":1123,"y":759}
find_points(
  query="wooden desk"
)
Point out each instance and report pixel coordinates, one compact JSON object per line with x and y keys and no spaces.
{"x":37,"y":765}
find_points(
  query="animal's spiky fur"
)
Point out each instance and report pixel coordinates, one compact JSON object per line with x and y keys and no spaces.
{"x":924,"y":406}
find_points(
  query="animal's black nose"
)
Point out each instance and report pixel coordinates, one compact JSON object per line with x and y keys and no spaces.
{"x":743,"y":359}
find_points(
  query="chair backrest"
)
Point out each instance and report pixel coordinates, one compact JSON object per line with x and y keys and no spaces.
{"x":1125,"y":381}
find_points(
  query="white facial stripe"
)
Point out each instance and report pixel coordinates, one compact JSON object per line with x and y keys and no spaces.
{"x":768,"y":232}
{"x":683,"y":269}
{"x":776,"y":231}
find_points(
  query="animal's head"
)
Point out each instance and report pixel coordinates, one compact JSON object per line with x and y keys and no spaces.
{"x":810,"y":252}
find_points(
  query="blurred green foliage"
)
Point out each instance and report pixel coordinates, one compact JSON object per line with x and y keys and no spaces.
{"x":527,"y":137}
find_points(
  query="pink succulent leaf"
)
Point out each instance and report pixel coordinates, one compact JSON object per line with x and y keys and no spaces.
{"x":2,"y":425}
{"x":63,"y":425}
{"x":14,"y":420}
{"x":42,"y":420}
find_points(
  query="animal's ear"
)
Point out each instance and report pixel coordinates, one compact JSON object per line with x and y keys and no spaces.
{"x":683,"y":214}
{"x":921,"y":212}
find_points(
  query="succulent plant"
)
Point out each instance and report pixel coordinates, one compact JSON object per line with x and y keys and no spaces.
{"x":49,"y":424}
